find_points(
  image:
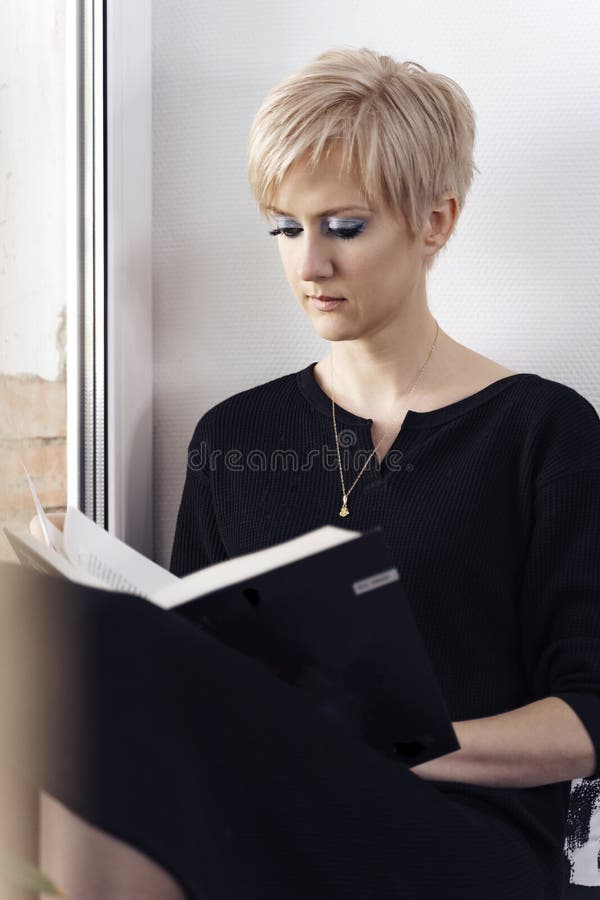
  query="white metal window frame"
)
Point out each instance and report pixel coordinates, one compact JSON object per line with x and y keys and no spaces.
{"x":109,"y":278}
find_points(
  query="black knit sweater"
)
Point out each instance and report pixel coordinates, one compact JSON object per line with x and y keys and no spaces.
{"x":491,"y":510}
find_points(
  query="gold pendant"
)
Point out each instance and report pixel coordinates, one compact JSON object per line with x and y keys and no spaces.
{"x":344,"y":509}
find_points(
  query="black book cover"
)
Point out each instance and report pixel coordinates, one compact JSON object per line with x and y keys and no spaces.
{"x":338,"y":626}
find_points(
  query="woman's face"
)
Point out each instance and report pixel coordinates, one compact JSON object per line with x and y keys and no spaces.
{"x":332,"y":244}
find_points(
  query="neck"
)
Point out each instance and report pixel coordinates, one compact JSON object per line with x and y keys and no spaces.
{"x":378,"y":372}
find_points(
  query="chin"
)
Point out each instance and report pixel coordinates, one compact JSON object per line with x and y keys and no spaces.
{"x":334,"y":331}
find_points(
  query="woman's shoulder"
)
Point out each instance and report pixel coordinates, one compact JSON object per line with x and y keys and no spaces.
{"x":554,"y":399}
{"x":248,"y":407}
{"x":559,"y":427}
{"x":258,"y":396}
{"x":546,"y":393}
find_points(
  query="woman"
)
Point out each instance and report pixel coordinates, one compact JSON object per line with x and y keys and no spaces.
{"x":486,"y":483}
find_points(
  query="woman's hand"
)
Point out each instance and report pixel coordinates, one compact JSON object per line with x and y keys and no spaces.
{"x":57,"y":519}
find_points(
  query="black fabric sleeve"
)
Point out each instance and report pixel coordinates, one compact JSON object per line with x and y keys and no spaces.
{"x":197,"y":542}
{"x":560,"y":596}
{"x":560,"y":601}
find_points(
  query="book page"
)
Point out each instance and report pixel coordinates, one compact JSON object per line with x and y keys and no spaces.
{"x":34,"y":554}
{"x":48,"y":531}
{"x":94,"y":551}
{"x":230,"y":571}
{"x":55,"y":534}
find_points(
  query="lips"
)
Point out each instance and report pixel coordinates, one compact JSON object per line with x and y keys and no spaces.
{"x":325,"y":297}
{"x":326,"y":304}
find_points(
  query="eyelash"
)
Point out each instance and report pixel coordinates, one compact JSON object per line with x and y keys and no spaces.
{"x":346,"y":234}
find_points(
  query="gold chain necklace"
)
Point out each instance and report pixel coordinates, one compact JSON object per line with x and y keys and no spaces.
{"x":345,"y":494}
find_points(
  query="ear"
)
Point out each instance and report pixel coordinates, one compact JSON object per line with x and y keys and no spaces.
{"x":440,"y":223}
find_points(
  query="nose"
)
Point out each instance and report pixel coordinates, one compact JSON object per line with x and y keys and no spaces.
{"x":314,"y":257}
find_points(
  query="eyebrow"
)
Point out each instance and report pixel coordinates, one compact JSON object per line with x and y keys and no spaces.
{"x":326,"y":212}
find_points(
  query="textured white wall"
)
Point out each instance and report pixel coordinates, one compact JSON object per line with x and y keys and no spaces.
{"x":519,"y":280}
{"x":32,"y":186}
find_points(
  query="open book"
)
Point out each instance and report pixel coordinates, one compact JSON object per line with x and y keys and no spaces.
{"x":85,"y":553}
{"x":325,"y":612}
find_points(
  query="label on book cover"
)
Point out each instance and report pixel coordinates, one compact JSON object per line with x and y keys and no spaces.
{"x":375,"y":581}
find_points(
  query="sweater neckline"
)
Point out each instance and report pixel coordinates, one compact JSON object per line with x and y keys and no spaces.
{"x":319,"y":400}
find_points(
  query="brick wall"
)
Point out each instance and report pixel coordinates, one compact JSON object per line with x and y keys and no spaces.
{"x":32,"y":429}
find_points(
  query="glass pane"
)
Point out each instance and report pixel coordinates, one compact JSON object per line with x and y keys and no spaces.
{"x":32,"y":261}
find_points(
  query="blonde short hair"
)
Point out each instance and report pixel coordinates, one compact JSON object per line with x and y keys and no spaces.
{"x":410,"y":132}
